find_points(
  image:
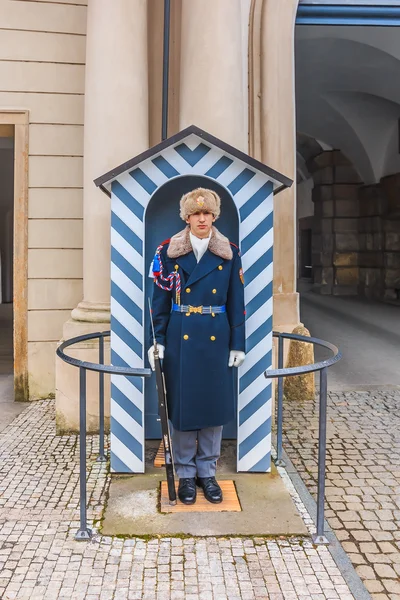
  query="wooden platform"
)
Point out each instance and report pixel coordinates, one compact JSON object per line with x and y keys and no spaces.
{"x":230,"y":501}
{"x":159,"y":460}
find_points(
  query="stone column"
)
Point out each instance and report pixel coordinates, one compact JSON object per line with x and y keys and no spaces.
{"x":278,"y":147}
{"x":212,"y":93}
{"x":336,"y":241}
{"x":116,"y":129}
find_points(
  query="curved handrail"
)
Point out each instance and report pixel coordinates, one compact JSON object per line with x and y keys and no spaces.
{"x":289,"y":371}
{"x":84,"y":533}
{"x":100,"y":368}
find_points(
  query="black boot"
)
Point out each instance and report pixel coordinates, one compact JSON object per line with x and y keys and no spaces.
{"x":211,"y":489}
{"x":187,"y":490}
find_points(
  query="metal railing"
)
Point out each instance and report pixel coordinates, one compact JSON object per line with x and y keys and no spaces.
{"x":280,"y":373}
{"x":84,"y":533}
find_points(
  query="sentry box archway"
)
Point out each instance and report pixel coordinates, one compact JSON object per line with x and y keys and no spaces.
{"x":250,"y":185}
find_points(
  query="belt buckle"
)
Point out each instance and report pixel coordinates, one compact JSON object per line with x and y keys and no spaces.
{"x":196,"y":309}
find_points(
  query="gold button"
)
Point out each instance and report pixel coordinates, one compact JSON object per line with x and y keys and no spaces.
{"x":212,"y":338}
{"x":220,"y":267}
{"x":188,"y":314}
{"x":214,"y":291}
{"x":176,"y":267}
{"x":187,"y":290}
{"x":185,"y":337}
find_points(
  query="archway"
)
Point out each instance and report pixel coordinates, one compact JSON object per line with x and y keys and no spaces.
{"x":347,"y":99}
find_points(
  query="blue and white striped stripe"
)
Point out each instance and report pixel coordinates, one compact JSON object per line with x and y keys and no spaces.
{"x":252,"y":192}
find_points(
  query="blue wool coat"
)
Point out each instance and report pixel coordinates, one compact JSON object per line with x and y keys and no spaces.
{"x":199,"y":383}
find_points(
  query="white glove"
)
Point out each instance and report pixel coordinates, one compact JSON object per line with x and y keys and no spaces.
{"x":150,"y":354}
{"x":236,"y":358}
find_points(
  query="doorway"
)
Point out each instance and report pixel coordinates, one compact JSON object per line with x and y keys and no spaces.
{"x":163,"y":221}
{"x":13,"y":260}
{"x":306,"y":254}
{"x":7,"y":147}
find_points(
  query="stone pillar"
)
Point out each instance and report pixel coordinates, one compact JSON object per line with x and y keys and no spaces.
{"x":371,"y":237}
{"x":278,"y":147}
{"x":391,"y":226}
{"x":336,"y":242}
{"x":116,"y":129}
{"x":212,"y":93}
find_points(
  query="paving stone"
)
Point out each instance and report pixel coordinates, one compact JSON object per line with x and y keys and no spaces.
{"x":391,"y":585}
{"x":361,"y":535}
{"x":365,"y":572}
{"x":369,"y":547}
{"x":350,"y":547}
{"x":381,"y":535}
{"x":385,"y":571}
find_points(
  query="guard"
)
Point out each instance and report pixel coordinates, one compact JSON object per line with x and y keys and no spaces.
{"x":199,"y":322}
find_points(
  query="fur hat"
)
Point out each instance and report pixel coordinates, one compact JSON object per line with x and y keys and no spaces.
{"x":200,"y":199}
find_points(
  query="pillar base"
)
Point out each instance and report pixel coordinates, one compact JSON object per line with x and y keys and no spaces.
{"x":286,"y":316}
{"x":92,"y":312}
{"x":67,"y":380}
{"x":286,"y":312}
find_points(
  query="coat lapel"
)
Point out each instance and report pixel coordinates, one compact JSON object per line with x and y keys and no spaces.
{"x":208,"y":263}
{"x":187,"y":262}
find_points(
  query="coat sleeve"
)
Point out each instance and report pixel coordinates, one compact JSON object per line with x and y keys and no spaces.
{"x":235,"y":306}
{"x":161,"y":310}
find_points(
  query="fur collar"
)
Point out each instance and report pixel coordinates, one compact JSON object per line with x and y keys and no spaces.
{"x":180,"y":244}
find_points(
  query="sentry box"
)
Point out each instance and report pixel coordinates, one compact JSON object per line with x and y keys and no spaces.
{"x":145,"y":194}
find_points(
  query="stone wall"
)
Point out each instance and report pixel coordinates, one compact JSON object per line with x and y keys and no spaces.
{"x":391,"y":238}
{"x":356,"y":231}
{"x":335,"y":232}
{"x":371,"y":240}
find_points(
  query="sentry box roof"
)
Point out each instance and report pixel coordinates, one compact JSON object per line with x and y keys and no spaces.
{"x":194,"y":145}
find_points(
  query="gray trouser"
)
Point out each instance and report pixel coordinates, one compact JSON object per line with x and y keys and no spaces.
{"x":191,"y":459}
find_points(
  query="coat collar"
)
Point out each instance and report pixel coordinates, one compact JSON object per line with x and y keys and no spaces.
{"x":180,"y":245}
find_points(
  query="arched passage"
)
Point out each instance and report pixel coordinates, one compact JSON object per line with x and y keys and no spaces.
{"x":347,"y":98}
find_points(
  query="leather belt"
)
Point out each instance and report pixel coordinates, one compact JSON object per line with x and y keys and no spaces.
{"x":201,"y":310}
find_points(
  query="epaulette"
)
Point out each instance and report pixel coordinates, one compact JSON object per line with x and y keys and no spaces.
{"x":237,"y":247}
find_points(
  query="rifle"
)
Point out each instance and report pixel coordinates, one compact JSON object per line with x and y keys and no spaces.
{"x":163,"y":413}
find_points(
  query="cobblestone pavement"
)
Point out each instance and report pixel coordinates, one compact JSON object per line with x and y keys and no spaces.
{"x":39,"y":558}
{"x":363,"y":478}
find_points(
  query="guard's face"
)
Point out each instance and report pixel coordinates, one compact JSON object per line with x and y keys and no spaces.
{"x":200,"y":223}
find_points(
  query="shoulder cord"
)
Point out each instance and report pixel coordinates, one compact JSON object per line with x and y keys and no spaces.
{"x":158,"y":270}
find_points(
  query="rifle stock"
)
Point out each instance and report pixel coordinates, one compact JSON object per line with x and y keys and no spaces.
{"x":166,"y":437}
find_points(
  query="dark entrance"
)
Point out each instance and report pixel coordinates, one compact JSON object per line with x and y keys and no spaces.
{"x":306,"y":253}
{"x":6,"y":260}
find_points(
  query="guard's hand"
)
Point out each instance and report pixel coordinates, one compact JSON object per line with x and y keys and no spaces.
{"x":150,"y":354}
{"x":236,"y":358}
